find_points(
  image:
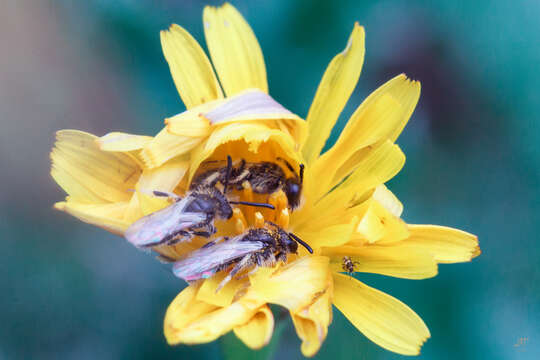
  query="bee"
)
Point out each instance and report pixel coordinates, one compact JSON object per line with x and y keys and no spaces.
{"x":264,"y":177}
{"x":192,"y":215}
{"x":348,"y":265}
{"x":255,"y":248}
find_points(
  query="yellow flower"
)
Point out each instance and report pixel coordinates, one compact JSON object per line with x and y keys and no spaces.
{"x":346,"y":213}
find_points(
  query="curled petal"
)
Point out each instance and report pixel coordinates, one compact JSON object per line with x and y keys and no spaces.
{"x":183,"y":310}
{"x":257,"y":332}
{"x":122,"y":142}
{"x":166,"y":146}
{"x":311,"y":323}
{"x":447,"y":245}
{"x":190,"y":68}
{"x":253,"y":142}
{"x":234,"y":49}
{"x":89,"y":174}
{"x":293,"y":286}
{"x":106,"y":216}
{"x":387,"y":199}
{"x":206,"y":327}
{"x":337,"y":84}
{"x":383,"y":319}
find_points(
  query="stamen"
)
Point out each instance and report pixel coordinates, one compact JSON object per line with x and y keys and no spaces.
{"x":239,"y":220}
{"x":259,"y":220}
{"x":283,"y":220}
{"x":240,"y":226}
{"x":248,"y":196}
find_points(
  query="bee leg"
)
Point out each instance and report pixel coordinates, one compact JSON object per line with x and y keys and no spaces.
{"x":281,"y":257}
{"x":205,"y":234}
{"x":242,"y":264}
{"x":179,"y":236}
{"x":166,"y":194}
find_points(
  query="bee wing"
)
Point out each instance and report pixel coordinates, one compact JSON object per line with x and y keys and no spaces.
{"x":155,"y":228}
{"x":203,"y":263}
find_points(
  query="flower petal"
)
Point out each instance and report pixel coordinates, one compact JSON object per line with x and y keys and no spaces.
{"x":190,"y":68}
{"x":183,"y":310}
{"x":397,"y":260}
{"x":88,"y":174}
{"x":387,"y":199}
{"x":164,"y":178}
{"x":214,"y":324}
{"x":311,"y":323}
{"x":105,"y":216}
{"x":257,"y":332}
{"x":383,"y":319}
{"x":234,"y":49}
{"x":293,"y":286}
{"x":337,"y":84}
{"x":253,"y":142}
{"x":447,"y":245}
{"x":334,"y":235}
{"x":122,"y":142}
{"x":225,"y":295}
{"x":381,"y":116}
{"x":166,"y":146}
{"x":379,"y":165}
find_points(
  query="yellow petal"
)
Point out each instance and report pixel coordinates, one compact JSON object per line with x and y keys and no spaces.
{"x":334,"y":235}
{"x":122,"y":142}
{"x":212,"y":325}
{"x":447,"y":245}
{"x":397,"y":260}
{"x":311,"y":323}
{"x":225,"y":295}
{"x":190,"y":68}
{"x":383,"y":227}
{"x":293,"y":286}
{"x":105,"y":216}
{"x":337,"y":84}
{"x":383,"y":319}
{"x":253,"y":142}
{"x":381,"y":116}
{"x":164,"y":178}
{"x":166,"y":146}
{"x":257,"y":332}
{"x":234,"y":49}
{"x":379,"y":165}
{"x":183,"y":310}
{"x":387,"y":199}
{"x":89,"y":174}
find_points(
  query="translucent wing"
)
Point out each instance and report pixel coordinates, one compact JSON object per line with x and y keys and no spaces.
{"x":204,"y":262}
{"x":163,"y":224}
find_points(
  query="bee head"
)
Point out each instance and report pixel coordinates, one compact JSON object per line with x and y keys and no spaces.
{"x":293,"y":190}
{"x":290,"y":245}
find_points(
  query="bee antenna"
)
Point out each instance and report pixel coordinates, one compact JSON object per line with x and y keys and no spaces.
{"x":301,"y":173}
{"x":249,"y":203}
{"x":301,"y":242}
{"x":227,"y":174}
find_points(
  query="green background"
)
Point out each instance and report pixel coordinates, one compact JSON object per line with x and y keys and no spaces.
{"x":72,"y":291}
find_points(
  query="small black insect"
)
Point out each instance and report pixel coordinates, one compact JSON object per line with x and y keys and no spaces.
{"x":348,"y":265}
{"x":255,"y":248}
{"x":264,"y":177}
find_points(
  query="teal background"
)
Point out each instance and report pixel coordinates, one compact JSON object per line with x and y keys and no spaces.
{"x":72,"y":291}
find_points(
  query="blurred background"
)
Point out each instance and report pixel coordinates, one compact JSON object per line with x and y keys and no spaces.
{"x":72,"y":291}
